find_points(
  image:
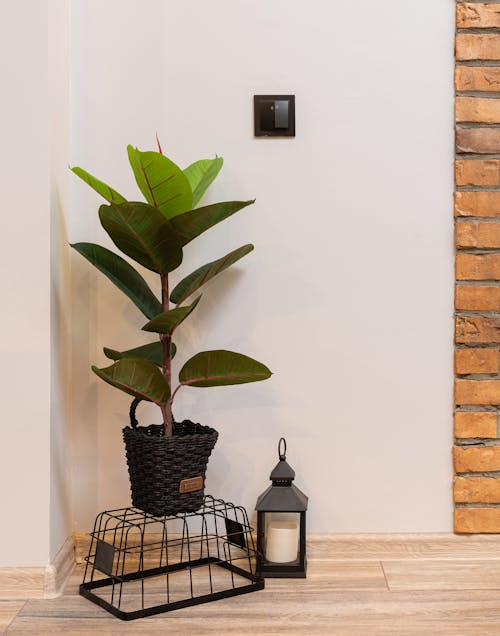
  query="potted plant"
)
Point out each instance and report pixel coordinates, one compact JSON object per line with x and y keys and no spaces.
{"x":166,"y":462}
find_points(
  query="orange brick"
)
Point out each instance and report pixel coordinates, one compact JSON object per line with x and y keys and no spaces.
{"x":477,"y":46}
{"x":477,"y":297}
{"x":476,"y":361}
{"x":478,"y":15}
{"x":476,"y":490}
{"x":477,"y":234}
{"x":477,"y":109}
{"x":474,"y":172}
{"x":477,"y":330}
{"x":477,"y":392}
{"x":477,"y":459}
{"x":483,"y":141}
{"x":482,"y":424}
{"x":477,"y":520}
{"x":477,"y":266}
{"x":482,"y":204}
{"x":477,"y":78}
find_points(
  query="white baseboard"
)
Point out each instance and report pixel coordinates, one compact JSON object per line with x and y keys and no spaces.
{"x":58,"y":572}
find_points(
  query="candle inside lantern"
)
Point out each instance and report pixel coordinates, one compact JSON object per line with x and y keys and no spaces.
{"x":282,"y":541}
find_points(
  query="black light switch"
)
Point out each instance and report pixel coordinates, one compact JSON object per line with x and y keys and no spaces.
{"x":274,"y":115}
{"x":266,"y":115}
{"x":281,"y":113}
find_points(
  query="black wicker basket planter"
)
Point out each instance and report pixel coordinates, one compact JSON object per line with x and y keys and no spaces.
{"x":167,"y":474}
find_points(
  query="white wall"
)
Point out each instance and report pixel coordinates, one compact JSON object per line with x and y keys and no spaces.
{"x":348,"y":296}
{"x":35,"y":341}
{"x":25,"y":284}
{"x":61,"y":337}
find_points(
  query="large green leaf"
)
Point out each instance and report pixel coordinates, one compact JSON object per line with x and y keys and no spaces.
{"x":142,"y":232}
{"x":161,"y":181}
{"x":191,"y":224}
{"x":137,"y":377}
{"x":123,"y":275}
{"x":99,"y":186}
{"x":152,"y":352}
{"x":201,"y":174}
{"x":218,"y":368}
{"x":199,"y":277}
{"x":168,"y":321}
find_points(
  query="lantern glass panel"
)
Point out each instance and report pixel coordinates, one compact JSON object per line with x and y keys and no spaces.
{"x":281,"y":537}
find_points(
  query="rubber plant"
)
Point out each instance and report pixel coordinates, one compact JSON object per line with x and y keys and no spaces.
{"x":153,"y":233}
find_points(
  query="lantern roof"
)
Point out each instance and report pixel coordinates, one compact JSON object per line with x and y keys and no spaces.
{"x":282,"y":495}
{"x":282,"y":499}
{"x":282,"y":472}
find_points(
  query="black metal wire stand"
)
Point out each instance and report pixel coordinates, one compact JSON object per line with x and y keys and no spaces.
{"x":139,"y":565}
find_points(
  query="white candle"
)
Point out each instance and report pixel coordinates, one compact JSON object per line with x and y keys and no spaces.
{"x":282,"y":542}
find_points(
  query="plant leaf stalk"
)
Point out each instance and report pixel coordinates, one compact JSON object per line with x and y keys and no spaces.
{"x":166,"y":341}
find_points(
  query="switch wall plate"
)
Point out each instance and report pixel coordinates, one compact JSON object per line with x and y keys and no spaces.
{"x":274,"y":115}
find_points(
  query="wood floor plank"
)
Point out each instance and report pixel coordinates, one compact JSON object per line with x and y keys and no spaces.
{"x":371,"y":625}
{"x":21,"y":583}
{"x":381,"y":613}
{"x":346,"y":575}
{"x":8,"y":610}
{"x":322,"y":578}
{"x":342,"y":598}
{"x":339,"y":574}
{"x":443,"y":575}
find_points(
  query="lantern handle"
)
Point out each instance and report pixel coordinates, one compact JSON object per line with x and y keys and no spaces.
{"x":282,"y":455}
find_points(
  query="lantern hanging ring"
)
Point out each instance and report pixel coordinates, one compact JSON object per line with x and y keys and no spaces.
{"x":282,"y":443}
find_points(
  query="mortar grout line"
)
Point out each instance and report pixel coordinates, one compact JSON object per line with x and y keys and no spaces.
{"x":478,"y":63}
{"x":477,"y":442}
{"x":468,"y":506}
{"x":492,"y":474}
{"x":477,"y":187}
{"x":478,"y":93}
{"x":480,"y":408}
{"x":475,"y":125}
{"x":479,"y":251}
{"x":476,"y":155}
{"x":477,"y":31}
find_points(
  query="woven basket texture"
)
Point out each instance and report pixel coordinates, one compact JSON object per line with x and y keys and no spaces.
{"x":157,"y":464}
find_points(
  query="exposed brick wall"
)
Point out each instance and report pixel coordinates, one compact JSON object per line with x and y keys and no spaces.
{"x":476,"y":453}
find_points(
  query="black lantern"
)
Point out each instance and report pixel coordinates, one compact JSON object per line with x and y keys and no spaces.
{"x":281,"y":524}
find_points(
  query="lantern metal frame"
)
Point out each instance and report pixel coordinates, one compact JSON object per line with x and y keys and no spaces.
{"x":281,"y":497}
{"x":268,"y":569}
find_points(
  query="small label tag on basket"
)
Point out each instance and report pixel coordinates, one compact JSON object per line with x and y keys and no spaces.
{"x":191,"y":485}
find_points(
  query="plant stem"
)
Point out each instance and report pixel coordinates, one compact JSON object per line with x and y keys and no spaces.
{"x":167,"y":419}
{"x":173,"y":394}
{"x":166,"y":342}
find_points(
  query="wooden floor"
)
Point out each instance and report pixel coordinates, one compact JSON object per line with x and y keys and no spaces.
{"x":374,"y":587}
